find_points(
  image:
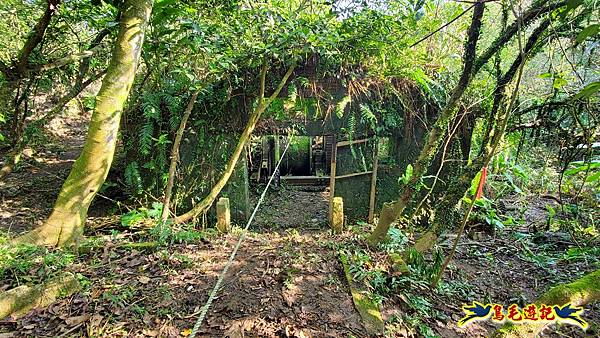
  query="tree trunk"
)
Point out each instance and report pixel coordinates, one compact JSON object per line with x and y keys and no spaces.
{"x":446,"y":212}
{"x":35,"y":37}
{"x":20,"y":300}
{"x":263,"y":104}
{"x":175,"y":155}
{"x":89,"y":171}
{"x":391,"y":211}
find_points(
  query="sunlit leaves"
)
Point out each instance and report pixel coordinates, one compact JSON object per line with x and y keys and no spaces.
{"x":587,"y":32}
{"x":341,"y":106}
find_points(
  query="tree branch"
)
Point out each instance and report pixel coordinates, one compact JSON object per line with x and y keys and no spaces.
{"x":59,"y":62}
{"x":536,"y":10}
{"x":35,"y":37}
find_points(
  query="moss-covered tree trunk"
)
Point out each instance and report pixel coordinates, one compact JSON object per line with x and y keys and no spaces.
{"x":175,"y":155}
{"x":446,"y":213}
{"x":263,"y":104}
{"x":20,"y":300}
{"x":578,"y":293}
{"x":89,"y":171}
{"x":391,"y":211}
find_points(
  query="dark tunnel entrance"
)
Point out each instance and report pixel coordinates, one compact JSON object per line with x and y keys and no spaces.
{"x":306,"y":163}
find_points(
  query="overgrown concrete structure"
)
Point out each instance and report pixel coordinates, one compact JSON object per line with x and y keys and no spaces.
{"x":355,"y":135}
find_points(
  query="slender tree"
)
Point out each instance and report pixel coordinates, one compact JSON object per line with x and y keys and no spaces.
{"x":65,"y":223}
{"x":175,"y":155}
{"x":391,"y":211}
{"x":263,"y":104}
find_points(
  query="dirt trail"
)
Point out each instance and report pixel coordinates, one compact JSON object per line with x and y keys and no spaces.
{"x":284,"y":286}
{"x":27,"y":194}
{"x":284,"y":282}
{"x":287,"y":280}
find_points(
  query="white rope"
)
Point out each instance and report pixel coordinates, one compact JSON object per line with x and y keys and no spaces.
{"x":215,"y":290}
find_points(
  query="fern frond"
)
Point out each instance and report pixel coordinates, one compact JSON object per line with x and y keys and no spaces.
{"x":341,"y":106}
{"x":133,"y":180}
{"x":367,"y":115}
{"x":145,"y":141}
{"x":173,"y":103}
{"x":174,"y":121}
{"x":151,"y":107}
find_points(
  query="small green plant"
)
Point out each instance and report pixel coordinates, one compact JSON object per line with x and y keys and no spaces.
{"x":422,"y":270}
{"x":119,"y":297}
{"x":583,"y":253}
{"x":417,"y":324}
{"x":139,"y":310}
{"x":167,"y":233}
{"x":551,"y":215}
{"x":134,"y":217}
{"x":396,"y":241}
{"x":487,"y":213}
{"x":25,"y":262}
{"x":405,"y":178}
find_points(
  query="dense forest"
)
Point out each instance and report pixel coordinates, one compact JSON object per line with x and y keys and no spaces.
{"x":299,"y":168}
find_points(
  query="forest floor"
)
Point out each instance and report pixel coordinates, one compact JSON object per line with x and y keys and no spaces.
{"x":286,"y":280}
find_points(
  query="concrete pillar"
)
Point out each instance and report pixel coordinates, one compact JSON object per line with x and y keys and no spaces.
{"x":223,"y":215}
{"x":337,"y":215}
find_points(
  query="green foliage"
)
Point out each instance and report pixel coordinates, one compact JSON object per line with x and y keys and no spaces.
{"x":551,"y":215}
{"x":134,"y":217}
{"x":395,"y":242}
{"x":588,"y":91}
{"x":168,"y":234}
{"x":422,"y":270}
{"x":586,"y":254}
{"x":407,"y":175}
{"x":133,"y":179}
{"x":587,"y":32}
{"x":362,"y":271}
{"x":32,"y":264}
{"x":417,"y":326}
{"x":488,"y":213}
{"x":341,"y":106}
{"x":581,"y":166}
{"x":367,"y":116}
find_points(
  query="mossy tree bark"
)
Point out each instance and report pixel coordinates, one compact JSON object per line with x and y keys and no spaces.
{"x":263,"y":104}
{"x":391,"y":211}
{"x":446,"y":213}
{"x":175,"y":155}
{"x":578,"y":293}
{"x":22,"y":299}
{"x":89,"y":171}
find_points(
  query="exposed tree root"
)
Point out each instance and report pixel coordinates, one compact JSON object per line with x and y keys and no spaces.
{"x":20,"y":300}
{"x":368,"y":310}
{"x":580,"y":292}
